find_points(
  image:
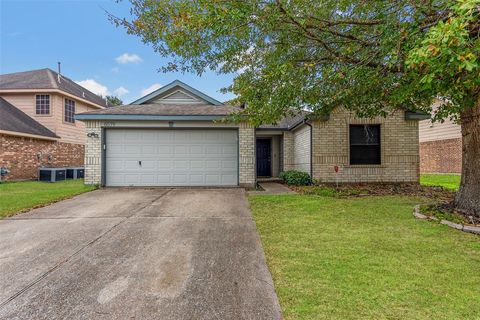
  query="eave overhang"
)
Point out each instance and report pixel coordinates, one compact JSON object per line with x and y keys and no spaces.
{"x":416,"y":115}
{"x":128,"y":117}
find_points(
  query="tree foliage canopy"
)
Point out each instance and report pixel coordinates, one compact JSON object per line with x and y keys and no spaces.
{"x":369,"y":56}
{"x":114,"y":100}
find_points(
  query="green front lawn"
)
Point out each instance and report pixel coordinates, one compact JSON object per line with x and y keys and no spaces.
{"x":20,"y":196}
{"x":366,"y":258}
{"x":448,"y":181}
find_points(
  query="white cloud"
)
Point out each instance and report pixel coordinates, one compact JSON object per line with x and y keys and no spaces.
{"x":94,"y":86}
{"x":120,"y":91}
{"x":150,"y":89}
{"x":128,"y":58}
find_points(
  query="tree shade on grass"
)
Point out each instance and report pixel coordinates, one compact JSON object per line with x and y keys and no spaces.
{"x":366,"y":258}
{"x":20,"y":196}
{"x":447,"y":181}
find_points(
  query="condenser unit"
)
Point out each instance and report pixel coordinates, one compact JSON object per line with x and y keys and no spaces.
{"x":52,"y":174}
{"x":75,"y":172}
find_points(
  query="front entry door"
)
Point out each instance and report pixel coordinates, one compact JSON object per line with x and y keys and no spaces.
{"x":263,"y":158}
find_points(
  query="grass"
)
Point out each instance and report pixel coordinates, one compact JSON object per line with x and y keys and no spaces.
{"x":435,"y":210}
{"x":20,"y":196}
{"x":448,"y":181}
{"x":366,"y":258}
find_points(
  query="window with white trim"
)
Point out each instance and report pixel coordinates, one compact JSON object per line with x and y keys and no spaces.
{"x":69,"y":111}
{"x":42,"y":104}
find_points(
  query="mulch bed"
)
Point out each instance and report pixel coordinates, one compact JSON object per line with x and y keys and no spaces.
{"x":442,"y":199}
{"x":381,"y":189}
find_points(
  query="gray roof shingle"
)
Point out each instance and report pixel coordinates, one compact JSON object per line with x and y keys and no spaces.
{"x":48,"y":79}
{"x":167,"y":110}
{"x":192,"y":110}
{"x":287,"y":122}
{"x":13,"y":119}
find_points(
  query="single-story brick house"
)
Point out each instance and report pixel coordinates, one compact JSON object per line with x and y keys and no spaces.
{"x":174,"y":137}
{"x":37,"y":124}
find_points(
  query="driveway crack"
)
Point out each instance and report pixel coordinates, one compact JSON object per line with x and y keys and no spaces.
{"x":64,"y":261}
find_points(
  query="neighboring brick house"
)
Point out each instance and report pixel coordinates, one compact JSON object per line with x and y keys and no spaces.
{"x":37,"y":125}
{"x":440,"y":146}
{"x":175,"y":136}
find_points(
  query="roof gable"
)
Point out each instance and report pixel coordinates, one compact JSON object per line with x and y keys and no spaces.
{"x":178,"y":96}
{"x":48,"y":79}
{"x":177,"y":92}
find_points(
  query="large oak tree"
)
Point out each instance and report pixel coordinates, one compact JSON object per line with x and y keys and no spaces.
{"x":370,"y":56}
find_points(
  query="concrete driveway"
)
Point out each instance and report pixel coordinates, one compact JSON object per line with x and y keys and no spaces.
{"x":136,"y":254}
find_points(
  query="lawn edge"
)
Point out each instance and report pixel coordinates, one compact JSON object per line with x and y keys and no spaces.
{"x":458,"y":226}
{"x":41,"y":205}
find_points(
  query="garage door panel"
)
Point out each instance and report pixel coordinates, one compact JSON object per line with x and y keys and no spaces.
{"x":149,"y":136}
{"x":180,"y":150}
{"x":171,"y":158}
{"x":147,"y":179}
{"x":132,"y":135}
{"x":229,"y":164}
{"x":132,"y":149}
{"x":131,"y":165}
{"x":115,"y":149}
{"x":164,"y":165}
{"x":228,"y":179}
{"x":148,"y":165}
{"x":212,"y":164}
{"x":181,"y":165}
{"x":180,"y":178}
{"x":196,"y":164}
{"x":196,"y":179}
{"x":164,"y":179}
{"x":164,"y":149}
{"x":132,"y":178}
{"x":196,"y":149}
{"x":229,"y":150}
{"x":150,"y":149}
{"x":213,"y":179}
{"x":213,"y":149}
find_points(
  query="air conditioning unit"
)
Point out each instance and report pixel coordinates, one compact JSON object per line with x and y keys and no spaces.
{"x":52,"y":174}
{"x":75,"y":172}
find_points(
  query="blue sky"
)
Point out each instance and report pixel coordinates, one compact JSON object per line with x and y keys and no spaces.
{"x":104,"y":58}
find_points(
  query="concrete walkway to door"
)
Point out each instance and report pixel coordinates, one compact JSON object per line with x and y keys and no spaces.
{"x":136,"y":254}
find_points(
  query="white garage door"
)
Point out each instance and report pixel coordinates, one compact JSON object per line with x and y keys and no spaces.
{"x":151,"y":157}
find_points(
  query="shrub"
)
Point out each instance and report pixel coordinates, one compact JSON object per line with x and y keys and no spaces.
{"x":295,"y":178}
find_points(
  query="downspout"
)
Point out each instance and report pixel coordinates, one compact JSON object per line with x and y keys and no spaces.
{"x":311,"y":148}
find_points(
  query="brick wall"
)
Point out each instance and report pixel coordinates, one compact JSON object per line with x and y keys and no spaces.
{"x":399,"y":149}
{"x":247,"y":163}
{"x":93,"y":153}
{"x":441,"y":156}
{"x":23,"y":156}
{"x":288,"y":149}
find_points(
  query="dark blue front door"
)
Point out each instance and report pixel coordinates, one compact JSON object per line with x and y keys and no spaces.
{"x":263,"y":158}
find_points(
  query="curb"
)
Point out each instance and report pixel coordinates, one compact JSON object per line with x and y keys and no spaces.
{"x":458,"y":226}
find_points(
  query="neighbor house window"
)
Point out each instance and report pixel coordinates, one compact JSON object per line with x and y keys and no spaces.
{"x":365,"y":144}
{"x":42,"y":104}
{"x":69,"y":110}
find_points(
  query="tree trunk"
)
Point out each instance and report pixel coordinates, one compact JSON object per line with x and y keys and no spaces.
{"x":468,"y":196}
